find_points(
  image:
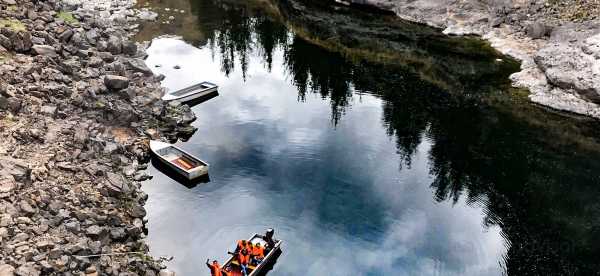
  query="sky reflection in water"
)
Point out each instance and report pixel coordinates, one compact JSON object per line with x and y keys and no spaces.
{"x":334,"y":193}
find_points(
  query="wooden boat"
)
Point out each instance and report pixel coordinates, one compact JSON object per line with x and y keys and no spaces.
{"x":189,"y":93}
{"x":182,"y":162}
{"x":270,"y":256}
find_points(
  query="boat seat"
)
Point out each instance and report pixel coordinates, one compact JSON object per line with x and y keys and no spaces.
{"x":238,"y":264}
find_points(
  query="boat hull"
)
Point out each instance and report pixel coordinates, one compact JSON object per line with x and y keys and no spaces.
{"x":262,"y":265}
{"x":194,"y":96}
{"x":199,"y":171}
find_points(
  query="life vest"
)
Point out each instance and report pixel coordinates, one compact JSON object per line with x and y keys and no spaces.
{"x":244,"y":256}
{"x":215,"y":270}
{"x":240,"y":245}
{"x":258,"y":251}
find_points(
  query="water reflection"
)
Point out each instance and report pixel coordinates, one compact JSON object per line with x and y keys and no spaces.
{"x":513,"y":188}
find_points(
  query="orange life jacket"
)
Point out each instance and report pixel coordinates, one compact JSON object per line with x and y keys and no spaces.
{"x":258,"y":251}
{"x":215,"y":270}
{"x":244,"y":257}
{"x":240,"y":245}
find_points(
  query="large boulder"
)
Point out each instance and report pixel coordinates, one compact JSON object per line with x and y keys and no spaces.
{"x":114,"y":82}
{"x":573,"y":67}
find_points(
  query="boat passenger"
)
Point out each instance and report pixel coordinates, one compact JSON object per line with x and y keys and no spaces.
{"x":227,"y":271}
{"x":268,"y":238}
{"x":244,"y":259}
{"x":215,"y":268}
{"x":241,"y":244}
{"x":258,"y":253}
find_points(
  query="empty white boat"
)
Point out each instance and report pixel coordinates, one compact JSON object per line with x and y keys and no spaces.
{"x":179,"y":160}
{"x":190,"y":93}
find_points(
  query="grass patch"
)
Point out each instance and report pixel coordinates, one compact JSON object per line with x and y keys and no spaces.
{"x":13,"y":24}
{"x":67,"y":17}
{"x":4,"y":57}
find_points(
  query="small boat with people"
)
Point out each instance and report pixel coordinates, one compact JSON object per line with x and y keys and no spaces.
{"x":192,"y":92}
{"x":182,"y":162}
{"x":250,"y":257}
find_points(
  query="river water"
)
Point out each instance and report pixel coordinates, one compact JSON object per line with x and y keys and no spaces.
{"x":366,"y":167}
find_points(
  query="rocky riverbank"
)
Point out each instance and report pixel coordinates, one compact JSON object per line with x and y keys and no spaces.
{"x":77,"y":107}
{"x":558,"y":42}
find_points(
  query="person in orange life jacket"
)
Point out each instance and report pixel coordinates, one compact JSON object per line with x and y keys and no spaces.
{"x":215,"y":268}
{"x":241,"y":244}
{"x":227,"y":271}
{"x":244,"y":259}
{"x":258,"y":253}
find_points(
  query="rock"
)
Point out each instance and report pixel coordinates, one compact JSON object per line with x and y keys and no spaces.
{"x":44,"y":50}
{"x":95,"y":62}
{"x":92,"y":36}
{"x":6,"y":42}
{"x":48,"y":110}
{"x":166,"y":272}
{"x":569,"y":67}
{"x":6,"y":270}
{"x":139,"y":65}
{"x":129,"y":48}
{"x":27,"y":270}
{"x":538,"y":30}
{"x":114,"y":45}
{"x":115,"y":185}
{"x":9,"y":2}
{"x":114,"y":82}
{"x":138,"y":211}
{"x":27,"y":208}
{"x":147,"y":15}
{"x":93,"y":231}
{"x":66,"y":35}
{"x":106,"y":56}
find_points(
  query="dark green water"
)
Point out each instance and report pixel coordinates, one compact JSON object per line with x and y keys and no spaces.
{"x":421,"y":164}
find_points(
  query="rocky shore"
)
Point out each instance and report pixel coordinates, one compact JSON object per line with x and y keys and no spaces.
{"x":77,"y":108}
{"x":557,"y":42}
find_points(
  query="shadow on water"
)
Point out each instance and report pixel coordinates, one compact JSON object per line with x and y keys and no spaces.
{"x":534,"y":173}
{"x":166,"y":170}
{"x":202,"y":99}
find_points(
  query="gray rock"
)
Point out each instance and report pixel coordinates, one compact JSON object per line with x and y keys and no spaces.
{"x":6,"y":42}
{"x":139,"y":65}
{"x":137,"y":211}
{"x":569,"y":67}
{"x":114,"y":45}
{"x":48,"y":110}
{"x":114,"y":82}
{"x":73,"y":226}
{"x":44,"y":50}
{"x":115,"y":185}
{"x":94,"y":230}
{"x":538,"y":30}
{"x":66,"y":35}
{"x":106,"y":56}
{"x":129,"y":48}
{"x":92,"y":36}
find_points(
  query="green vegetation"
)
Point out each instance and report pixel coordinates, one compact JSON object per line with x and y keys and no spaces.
{"x":67,"y":17}
{"x":13,"y":24}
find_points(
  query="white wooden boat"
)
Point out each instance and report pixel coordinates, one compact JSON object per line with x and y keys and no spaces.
{"x":233,"y":264}
{"x":179,"y":160}
{"x":190,"y":93}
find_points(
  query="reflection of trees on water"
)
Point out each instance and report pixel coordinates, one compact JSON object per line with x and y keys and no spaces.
{"x":539,"y":187}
